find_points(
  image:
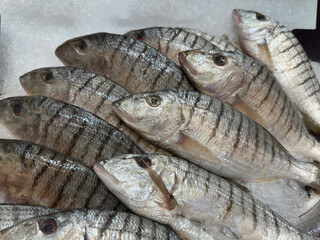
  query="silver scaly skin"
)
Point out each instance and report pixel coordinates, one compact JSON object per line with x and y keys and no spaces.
{"x":35,"y":175}
{"x":88,"y":224}
{"x":86,"y":90}
{"x":132,"y":64}
{"x":13,"y":214}
{"x":252,"y":89}
{"x":213,"y":135}
{"x":204,"y":200}
{"x":64,"y":128}
{"x":275,"y":46}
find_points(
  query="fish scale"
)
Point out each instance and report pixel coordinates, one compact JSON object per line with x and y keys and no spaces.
{"x":65,"y":128}
{"x":204,"y":200}
{"x":275,"y":46}
{"x":132,"y":64}
{"x":89,"y":224}
{"x":49,"y":179}
{"x":200,"y":128}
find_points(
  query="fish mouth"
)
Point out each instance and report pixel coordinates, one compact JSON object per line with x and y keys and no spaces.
{"x":24,"y":83}
{"x":185,"y":64}
{"x":105,"y":176}
{"x":121,"y":113}
{"x":236,"y":16}
{"x":61,"y":53}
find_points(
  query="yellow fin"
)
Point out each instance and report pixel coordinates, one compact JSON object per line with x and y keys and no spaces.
{"x":311,"y":125}
{"x":264,"y":53}
{"x":267,"y":181}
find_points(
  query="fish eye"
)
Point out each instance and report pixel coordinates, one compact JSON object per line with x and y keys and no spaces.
{"x":48,"y":226}
{"x":154,"y":101}
{"x":260,"y":17}
{"x":139,"y":36}
{"x":16,"y":108}
{"x":219,"y":60}
{"x":47,"y":77}
{"x":81,"y":46}
{"x":142,"y":161}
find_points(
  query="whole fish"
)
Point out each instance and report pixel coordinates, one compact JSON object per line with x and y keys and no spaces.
{"x":251,"y":88}
{"x":86,"y":90}
{"x":88,"y":224}
{"x":275,"y":46}
{"x":132,"y":64}
{"x":148,"y":184}
{"x":35,"y":175}
{"x":171,"y":41}
{"x":13,"y":214}
{"x":65,"y":128}
{"x":213,"y":135}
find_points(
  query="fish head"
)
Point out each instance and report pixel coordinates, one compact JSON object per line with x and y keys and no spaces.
{"x":59,"y":226}
{"x":216,"y":73}
{"x":50,"y":82}
{"x":128,"y":178}
{"x":150,"y":36}
{"x":156,"y":115}
{"x":20,"y":116}
{"x":254,"y":29}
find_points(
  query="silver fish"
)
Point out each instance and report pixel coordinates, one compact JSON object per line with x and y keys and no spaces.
{"x":65,"y":128}
{"x":86,"y":90}
{"x":203,"y":199}
{"x":35,"y":175}
{"x":275,"y":46}
{"x":213,"y":135}
{"x":13,"y":214}
{"x":132,"y":64}
{"x":88,"y":224}
{"x":251,"y":88}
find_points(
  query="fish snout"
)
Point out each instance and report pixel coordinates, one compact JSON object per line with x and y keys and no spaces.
{"x":236,"y":16}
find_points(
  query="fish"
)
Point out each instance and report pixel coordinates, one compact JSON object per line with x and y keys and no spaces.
{"x":204,"y":200}
{"x":35,"y":175}
{"x":213,"y":135}
{"x":251,"y":88}
{"x":275,"y":46}
{"x":86,"y":90}
{"x":12,"y":214}
{"x":88,"y":224}
{"x":132,"y":64}
{"x":65,"y":128}
{"x":171,"y":41}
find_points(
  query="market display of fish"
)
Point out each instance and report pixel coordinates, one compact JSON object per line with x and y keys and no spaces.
{"x":251,"y":88}
{"x":275,"y":46}
{"x":35,"y":175}
{"x":88,"y":224}
{"x":132,"y":64}
{"x":86,"y":90}
{"x":13,"y":214}
{"x":65,"y":128}
{"x":190,"y":199}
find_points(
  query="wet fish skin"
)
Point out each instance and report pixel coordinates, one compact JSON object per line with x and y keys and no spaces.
{"x":86,"y":90}
{"x":132,"y":64}
{"x":275,"y":46}
{"x":65,"y":128}
{"x":214,"y":135}
{"x":35,"y":175}
{"x":13,"y":214}
{"x":204,"y":199}
{"x":242,"y":81}
{"x":171,"y":41}
{"x":88,"y":224}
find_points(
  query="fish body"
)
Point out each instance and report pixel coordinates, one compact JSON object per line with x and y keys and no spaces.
{"x":275,"y":46}
{"x":132,"y":64}
{"x":88,"y":224}
{"x":251,"y":88}
{"x":204,"y":200}
{"x":214,"y":135}
{"x":35,"y":175}
{"x":13,"y":214}
{"x":171,"y":41}
{"x":65,"y":128}
{"x":86,"y":90}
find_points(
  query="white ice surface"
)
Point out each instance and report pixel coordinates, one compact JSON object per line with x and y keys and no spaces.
{"x":31,"y":31}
